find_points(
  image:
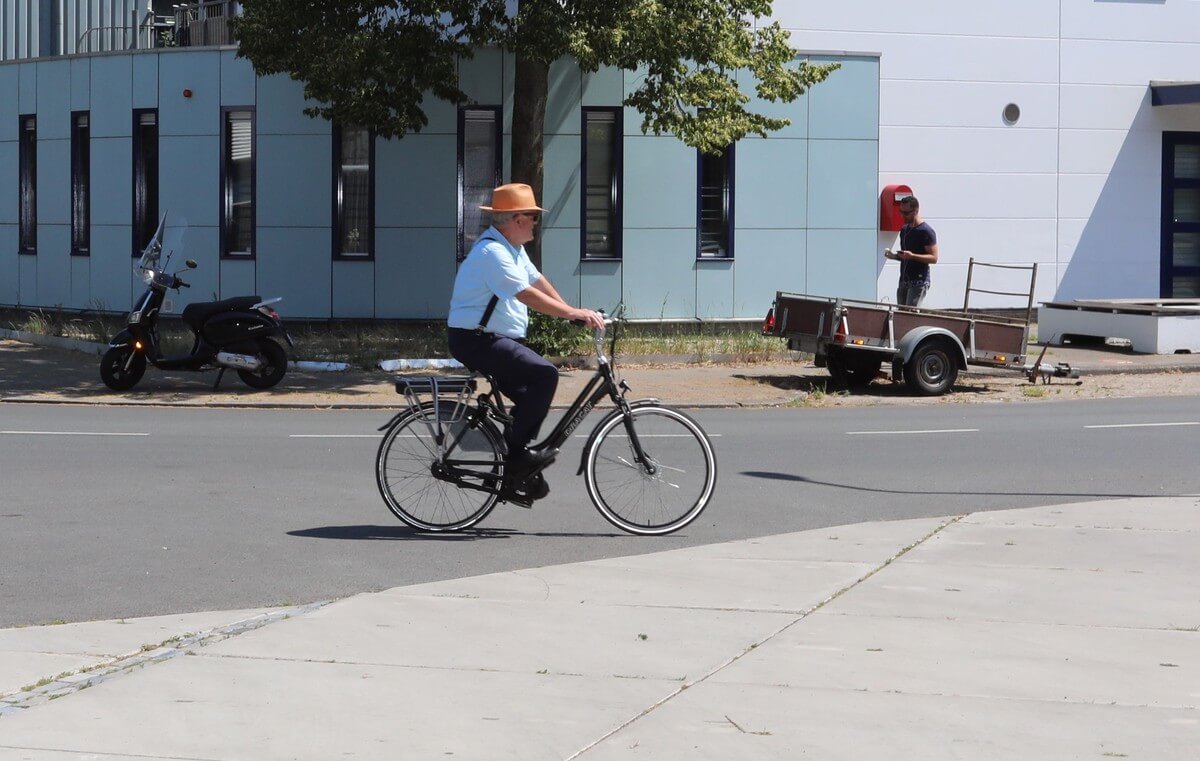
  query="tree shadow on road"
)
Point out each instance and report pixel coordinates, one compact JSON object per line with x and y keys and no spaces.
{"x":41,"y":373}
{"x":819,"y":382}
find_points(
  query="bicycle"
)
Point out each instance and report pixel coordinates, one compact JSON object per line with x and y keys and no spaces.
{"x":648,"y":468}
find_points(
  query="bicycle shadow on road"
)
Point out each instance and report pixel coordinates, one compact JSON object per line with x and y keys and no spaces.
{"x":392,"y":533}
{"x":775,"y":476}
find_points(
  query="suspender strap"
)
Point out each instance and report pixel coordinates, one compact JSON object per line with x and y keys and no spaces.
{"x":487,"y":314}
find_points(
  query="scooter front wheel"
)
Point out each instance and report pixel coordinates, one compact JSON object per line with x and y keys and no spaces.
{"x":274,"y":365}
{"x":122,"y":367}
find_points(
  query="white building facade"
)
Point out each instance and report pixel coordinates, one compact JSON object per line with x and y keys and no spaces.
{"x":1092,"y":181}
{"x":1062,"y":133}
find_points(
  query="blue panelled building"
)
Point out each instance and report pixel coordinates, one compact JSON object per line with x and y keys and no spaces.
{"x":113,"y":112}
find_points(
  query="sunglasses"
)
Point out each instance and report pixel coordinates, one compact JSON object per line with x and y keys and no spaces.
{"x":529,"y":215}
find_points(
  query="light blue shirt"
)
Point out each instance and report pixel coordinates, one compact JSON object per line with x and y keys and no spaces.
{"x":494,"y":266}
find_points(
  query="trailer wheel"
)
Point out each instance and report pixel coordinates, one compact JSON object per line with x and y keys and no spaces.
{"x":932,"y":369}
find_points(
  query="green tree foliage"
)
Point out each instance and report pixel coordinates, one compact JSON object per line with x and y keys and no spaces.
{"x":373,"y":62}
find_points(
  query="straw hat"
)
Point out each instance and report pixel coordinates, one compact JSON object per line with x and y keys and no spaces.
{"x":516,"y":196}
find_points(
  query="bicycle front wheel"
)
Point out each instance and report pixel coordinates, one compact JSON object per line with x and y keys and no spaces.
{"x":666,"y":492}
{"x":408,"y":455}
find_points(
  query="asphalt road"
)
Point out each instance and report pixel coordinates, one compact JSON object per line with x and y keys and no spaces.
{"x":110,"y":512}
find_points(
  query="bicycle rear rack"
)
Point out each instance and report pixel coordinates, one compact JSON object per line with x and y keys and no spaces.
{"x":437,"y":388}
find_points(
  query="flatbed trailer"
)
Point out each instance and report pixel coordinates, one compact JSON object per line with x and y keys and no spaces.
{"x":926,"y":348}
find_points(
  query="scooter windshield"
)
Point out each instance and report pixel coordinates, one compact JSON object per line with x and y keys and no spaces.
{"x":170,"y":239}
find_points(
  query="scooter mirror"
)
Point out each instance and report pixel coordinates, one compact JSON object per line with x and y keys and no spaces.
{"x":191,"y":264}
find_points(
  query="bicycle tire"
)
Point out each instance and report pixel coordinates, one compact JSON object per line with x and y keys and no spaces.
{"x":643,"y":503}
{"x":403,"y":471}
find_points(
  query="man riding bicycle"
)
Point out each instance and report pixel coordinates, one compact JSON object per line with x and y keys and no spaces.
{"x":495,"y":287}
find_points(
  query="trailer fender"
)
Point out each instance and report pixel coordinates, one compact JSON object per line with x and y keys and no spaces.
{"x":915,"y":337}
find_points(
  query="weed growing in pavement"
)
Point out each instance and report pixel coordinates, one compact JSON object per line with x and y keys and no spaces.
{"x":817,"y":397}
{"x":45,"y":681}
{"x":1033,"y":391}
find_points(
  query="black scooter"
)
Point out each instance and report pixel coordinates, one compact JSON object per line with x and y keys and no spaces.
{"x":233,"y":333}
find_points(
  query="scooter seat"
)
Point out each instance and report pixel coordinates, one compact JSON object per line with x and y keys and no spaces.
{"x":195,"y":314}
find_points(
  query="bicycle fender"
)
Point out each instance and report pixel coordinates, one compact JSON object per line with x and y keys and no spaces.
{"x":614,"y":414}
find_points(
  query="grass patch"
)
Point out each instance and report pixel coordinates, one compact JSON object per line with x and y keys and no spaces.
{"x":364,"y":344}
{"x":1033,"y":392}
{"x":703,"y":341}
{"x":84,"y":326}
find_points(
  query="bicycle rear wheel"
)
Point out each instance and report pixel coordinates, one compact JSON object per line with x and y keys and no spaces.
{"x":406,"y":459}
{"x":656,"y":500}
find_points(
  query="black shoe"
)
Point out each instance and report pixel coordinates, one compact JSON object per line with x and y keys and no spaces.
{"x":525,"y":462}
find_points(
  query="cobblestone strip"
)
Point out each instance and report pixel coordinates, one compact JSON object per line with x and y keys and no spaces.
{"x":66,"y":684}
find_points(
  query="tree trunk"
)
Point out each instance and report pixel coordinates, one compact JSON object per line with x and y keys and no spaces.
{"x":528,"y":124}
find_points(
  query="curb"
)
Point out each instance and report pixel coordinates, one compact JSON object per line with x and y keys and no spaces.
{"x":98,"y":349}
{"x":55,"y":342}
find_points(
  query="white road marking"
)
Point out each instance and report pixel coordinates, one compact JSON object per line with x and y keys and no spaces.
{"x":335,"y":435}
{"x":1143,"y":425}
{"x":68,"y":433}
{"x":652,"y":435}
{"x":902,"y":433}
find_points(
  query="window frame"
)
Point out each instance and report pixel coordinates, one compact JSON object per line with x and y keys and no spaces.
{"x":142,"y":222}
{"x":729,"y":195}
{"x":1168,"y":271}
{"x":81,"y":184}
{"x":498,"y":113}
{"x":616,"y":185}
{"x":338,"y":205}
{"x":27,"y":185}
{"x":225,"y":199}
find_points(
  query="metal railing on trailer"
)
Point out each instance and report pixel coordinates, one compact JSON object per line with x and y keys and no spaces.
{"x":1028,"y":295}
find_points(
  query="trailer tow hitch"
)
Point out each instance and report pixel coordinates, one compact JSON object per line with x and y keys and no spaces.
{"x":1046,"y":371}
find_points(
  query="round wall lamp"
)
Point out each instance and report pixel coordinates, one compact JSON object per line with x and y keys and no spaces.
{"x":1012,"y":112}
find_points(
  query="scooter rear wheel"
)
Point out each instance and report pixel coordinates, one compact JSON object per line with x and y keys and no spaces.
{"x":119,"y":371}
{"x":274,"y":366}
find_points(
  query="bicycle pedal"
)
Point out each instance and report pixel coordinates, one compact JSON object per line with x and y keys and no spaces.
{"x":525,"y":493}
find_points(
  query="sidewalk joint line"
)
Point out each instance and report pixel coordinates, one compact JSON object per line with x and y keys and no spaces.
{"x":803,"y":615}
{"x":71,"y":682}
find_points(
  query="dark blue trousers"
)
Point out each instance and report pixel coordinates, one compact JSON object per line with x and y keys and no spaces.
{"x":523,"y":375}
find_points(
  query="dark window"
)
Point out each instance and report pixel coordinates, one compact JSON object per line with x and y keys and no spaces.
{"x":1180,"y":266}
{"x":353,"y":192}
{"x":237,"y":182}
{"x":145,"y":177}
{"x":479,"y":170}
{"x":715,"y":205}
{"x":602,"y":183}
{"x":28,"y":184}
{"x":81,"y":184}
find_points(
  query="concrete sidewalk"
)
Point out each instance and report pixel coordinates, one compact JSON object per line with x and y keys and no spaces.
{"x":1065,"y":632}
